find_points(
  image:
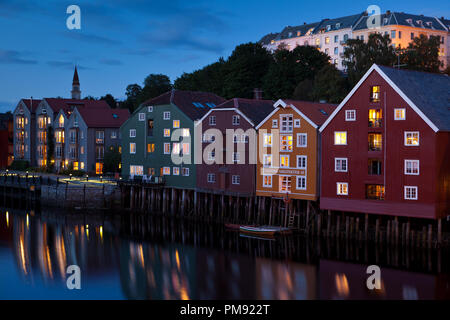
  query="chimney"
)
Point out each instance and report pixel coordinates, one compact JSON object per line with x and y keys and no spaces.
{"x":257,"y":94}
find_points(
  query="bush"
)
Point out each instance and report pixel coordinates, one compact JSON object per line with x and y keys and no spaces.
{"x":20,"y":165}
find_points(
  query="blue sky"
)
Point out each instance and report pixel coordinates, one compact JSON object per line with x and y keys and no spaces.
{"x":122,"y":41}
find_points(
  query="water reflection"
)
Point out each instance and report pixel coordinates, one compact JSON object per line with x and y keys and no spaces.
{"x":143,"y":257}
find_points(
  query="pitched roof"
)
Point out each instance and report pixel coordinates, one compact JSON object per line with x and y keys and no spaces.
{"x":317,"y":112}
{"x":104,"y":118}
{"x":267,"y":39}
{"x":404,"y":19}
{"x":193,"y":104}
{"x":297,"y":31}
{"x":69,"y":104}
{"x":255,"y":110}
{"x":328,"y":25}
{"x":429,"y":92}
{"x":31,"y":104}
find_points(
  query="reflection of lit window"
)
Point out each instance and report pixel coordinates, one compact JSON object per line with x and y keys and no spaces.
{"x":411,"y":138}
{"x":342,"y":285}
{"x":340,"y":137}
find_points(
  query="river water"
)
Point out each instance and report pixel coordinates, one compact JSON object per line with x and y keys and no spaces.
{"x":125,"y":256}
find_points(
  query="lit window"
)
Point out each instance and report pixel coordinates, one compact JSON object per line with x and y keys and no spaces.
{"x":340,"y":137}
{"x":410,"y":193}
{"x":150,"y":147}
{"x":340,"y":164}
{"x":375,"y":141}
{"x":176,"y":171}
{"x":302,"y":162}
{"x":166,"y":171}
{"x":267,"y":139}
{"x":166,"y":132}
{"x":285,"y":184}
{"x":186,"y":149}
{"x":212,"y":120}
{"x":375,"y":191}
{"x":350,"y":115}
{"x":141,"y":116}
{"x":136,"y":170}
{"x":132,"y":133}
{"x":267,"y":160}
{"x":375,"y":118}
{"x":166,"y":115}
{"x":236,"y":179}
{"x":176,"y":123}
{"x":411,"y":138}
{"x":412,"y":167}
{"x":98,"y":168}
{"x":399,"y":114}
{"x":327,"y":40}
{"x":342,"y":188}
{"x":211,"y":178}
{"x":375,"y":94}
{"x":185,"y":172}
{"x":286,"y":143}
{"x":185,"y":132}
{"x":166,"y":148}
{"x":176,"y":148}
{"x":132,"y":148}
{"x":302,"y":140}
{"x":267,"y":181}
{"x":236,"y":120}
{"x":301,"y":183}
{"x":284,"y":161}
{"x":82,"y":165}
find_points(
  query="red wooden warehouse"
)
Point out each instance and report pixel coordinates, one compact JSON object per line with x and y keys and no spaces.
{"x":387,"y":146}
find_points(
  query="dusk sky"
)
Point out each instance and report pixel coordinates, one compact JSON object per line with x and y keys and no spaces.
{"x":122,"y":41}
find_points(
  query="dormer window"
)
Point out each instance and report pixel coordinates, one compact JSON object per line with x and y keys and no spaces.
{"x":419,"y":22}
{"x":298,"y":33}
{"x":409,"y":21}
{"x":44,"y":111}
{"x":328,"y":27}
{"x":338,"y":25}
{"x":385,"y":20}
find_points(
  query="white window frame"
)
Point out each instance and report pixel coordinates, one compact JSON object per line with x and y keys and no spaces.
{"x":306,"y":162}
{"x":236,"y":157}
{"x":150,"y":109}
{"x":173,"y":124}
{"x":176,"y":171}
{"x":338,"y":192}
{"x":348,"y":114}
{"x":298,"y":179}
{"x":188,"y":148}
{"x":296,"y":123}
{"x":274,"y":123}
{"x":166,"y":169}
{"x":164,"y":133}
{"x":211,"y":178}
{"x":271,"y":181}
{"x":210,"y":155}
{"x":166,"y":115}
{"x":185,"y":172}
{"x":165,"y":145}
{"x":395,"y":114}
{"x":212,"y":120}
{"x":133,"y":143}
{"x":289,"y":123}
{"x":412,"y":173}
{"x":236,"y":179}
{"x":299,"y":135}
{"x":264,"y":139}
{"x":265,"y":156}
{"x":113,"y":135}
{"x":406,"y":192}
{"x":132,"y":133}
{"x":286,"y":145}
{"x":236,"y":120}
{"x":141,"y":116}
{"x":336,"y":166}
{"x":412,"y":132}
{"x":340,"y":144}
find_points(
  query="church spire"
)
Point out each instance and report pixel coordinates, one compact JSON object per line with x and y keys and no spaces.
{"x":76,"y":92}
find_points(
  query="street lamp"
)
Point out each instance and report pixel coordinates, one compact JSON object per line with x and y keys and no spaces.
{"x":70,"y":175}
{"x":87,"y":177}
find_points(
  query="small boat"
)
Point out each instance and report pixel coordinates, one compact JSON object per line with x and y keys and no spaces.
{"x":265,"y":231}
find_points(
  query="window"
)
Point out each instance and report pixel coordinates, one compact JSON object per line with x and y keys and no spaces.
{"x":374,"y":167}
{"x":235,"y":179}
{"x":98,"y":168}
{"x":236,"y":156}
{"x":336,"y":38}
{"x":212,"y":120}
{"x":82,"y":165}
{"x":302,"y":162}
{"x":393,"y":34}
{"x":286,"y":123}
{"x":340,"y":137}
{"x":350,"y":115}
{"x":176,"y":171}
{"x":166,"y":116}
{"x":411,"y":138}
{"x":317,"y":41}
{"x":375,"y":94}
{"x":236,"y":138}
{"x":166,"y":171}
{"x":185,"y":132}
{"x":267,"y":139}
{"x":150,"y":108}
{"x":412,"y":35}
{"x":375,"y":141}
{"x":342,"y":188}
{"x":212,"y":155}
{"x":297,"y":123}
{"x":166,"y":148}
{"x":186,"y":148}
{"x":132,"y":148}
{"x":301,"y":183}
{"x":412,"y":167}
{"x":166,"y":132}
{"x":236,"y":120}
{"x":150,"y":147}
{"x":150,"y":128}
{"x":141,"y":116}
{"x":132,"y":133}
{"x":267,"y":160}
{"x":113,"y":135}
{"x":285,"y":184}
{"x":375,"y":118}
{"x":99,"y":152}
{"x":375,"y":192}
{"x":176,"y":123}
{"x":185,"y":172}
{"x":410,"y":193}
{"x":327,"y":40}
{"x":284,"y":161}
{"x":99,"y":137}
{"x":211,"y":178}
{"x":345,"y":37}
{"x":340,"y":164}
{"x":302,"y":140}
{"x":176,"y":148}
{"x":286,"y":143}
{"x":267,"y":181}
{"x":399,"y":34}
{"x":399,"y":114}
{"x":274,"y":123}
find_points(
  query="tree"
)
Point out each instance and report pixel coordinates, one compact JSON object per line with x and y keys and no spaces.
{"x":110,"y":100}
{"x":50,"y":148}
{"x":155,"y":85}
{"x":245,"y":70}
{"x":133,"y":93}
{"x":360,"y":56}
{"x":111,"y":159}
{"x":329,"y":85}
{"x":304,"y":91}
{"x":90,"y":98}
{"x":422,"y":54}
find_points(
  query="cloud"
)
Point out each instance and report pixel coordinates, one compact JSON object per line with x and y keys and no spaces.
{"x":91,"y":38}
{"x":111,"y":62}
{"x":66,"y":65}
{"x":14,"y":57}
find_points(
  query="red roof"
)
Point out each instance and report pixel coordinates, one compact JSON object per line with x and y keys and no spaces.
{"x":104,"y":118}
{"x":69,"y":104}
{"x":31,"y":105}
{"x":315,"y":111}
